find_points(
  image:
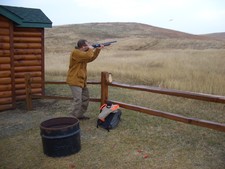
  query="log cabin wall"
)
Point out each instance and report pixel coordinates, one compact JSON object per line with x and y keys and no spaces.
{"x":21,"y":52}
{"x":28,"y":58}
{"x":7,"y":99}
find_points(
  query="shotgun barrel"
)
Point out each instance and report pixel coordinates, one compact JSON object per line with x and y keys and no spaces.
{"x":105,"y":44}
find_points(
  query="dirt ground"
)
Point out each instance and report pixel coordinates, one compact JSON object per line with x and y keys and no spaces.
{"x":19,"y":119}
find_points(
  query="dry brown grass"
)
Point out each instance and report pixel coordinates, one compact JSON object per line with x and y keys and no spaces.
{"x":143,"y":55}
{"x":192,"y":70}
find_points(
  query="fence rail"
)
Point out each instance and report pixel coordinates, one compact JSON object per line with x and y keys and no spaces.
{"x":172,"y":92}
{"x":106,"y":81}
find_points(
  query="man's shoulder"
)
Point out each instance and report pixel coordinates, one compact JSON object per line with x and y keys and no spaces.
{"x":75,"y":51}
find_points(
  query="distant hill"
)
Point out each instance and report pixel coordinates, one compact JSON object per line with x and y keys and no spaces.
{"x":219,"y":36}
{"x":130,"y":36}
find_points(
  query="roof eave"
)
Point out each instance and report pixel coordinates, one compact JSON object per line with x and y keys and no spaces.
{"x":21,"y":22}
{"x":11,"y":16}
{"x":35,"y":25}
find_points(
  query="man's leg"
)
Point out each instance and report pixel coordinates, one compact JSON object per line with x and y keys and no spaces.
{"x":77,"y":100}
{"x":85,"y":100}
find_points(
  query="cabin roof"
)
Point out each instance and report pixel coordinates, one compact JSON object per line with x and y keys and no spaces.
{"x":26,"y":17}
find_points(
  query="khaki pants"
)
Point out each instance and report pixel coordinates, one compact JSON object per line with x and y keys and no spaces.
{"x":80,"y":100}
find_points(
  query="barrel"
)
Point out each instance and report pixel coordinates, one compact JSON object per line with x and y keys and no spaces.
{"x":60,"y":136}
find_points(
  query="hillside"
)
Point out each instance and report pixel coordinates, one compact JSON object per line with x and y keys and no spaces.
{"x":130,"y":36}
{"x":219,"y":36}
{"x":159,"y":57}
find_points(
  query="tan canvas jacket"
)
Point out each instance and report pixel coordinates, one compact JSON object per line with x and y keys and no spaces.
{"x":77,"y":73}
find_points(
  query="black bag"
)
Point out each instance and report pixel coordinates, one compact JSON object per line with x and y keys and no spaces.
{"x":111,"y":120}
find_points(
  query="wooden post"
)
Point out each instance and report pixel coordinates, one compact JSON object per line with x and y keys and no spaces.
{"x":28,"y":91}
{"x":104,"y":87}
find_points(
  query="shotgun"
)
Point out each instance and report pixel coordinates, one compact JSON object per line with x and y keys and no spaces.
{"x":105,"y":44}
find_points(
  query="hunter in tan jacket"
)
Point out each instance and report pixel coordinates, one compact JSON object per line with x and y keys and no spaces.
{"x":77,"y":73}
{"x":77,"y":76}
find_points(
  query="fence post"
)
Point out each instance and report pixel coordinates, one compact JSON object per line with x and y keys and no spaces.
{"x":28,"y":91}
{"x":104,"y":87}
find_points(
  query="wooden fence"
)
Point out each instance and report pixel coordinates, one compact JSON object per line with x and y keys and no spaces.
{"x":106,"y":81}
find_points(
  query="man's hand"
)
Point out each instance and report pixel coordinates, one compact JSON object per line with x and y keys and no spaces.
{"x":90,"y":47}
{"x":101,"y":46}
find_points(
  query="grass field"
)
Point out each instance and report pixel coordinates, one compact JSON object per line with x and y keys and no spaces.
{"x":140,"y":141}
{"x":192,"y":70}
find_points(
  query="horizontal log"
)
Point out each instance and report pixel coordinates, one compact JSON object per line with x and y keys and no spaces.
{"x":23,"y":91}
{"x":60,"y":97}
{"x":4,"y":94}
{"x":19,"y":80}
{"x":23,"y":86}
{"x":6,"y":107}
{"x":34,"y":80}
{"x":88,"y":82}
{"x":28,"y":68}
{"x":4,"y":24}
{"x":5,"y":67}
{"x":27,"y":45}
{"x":4,"y":31}
{"x":20,"y":86}
{"x":48,"y":82}
{"x":4,"y":60}
{"x":5,"y":80}
{"x":4,"y":39}
{"x":22,"y":74}
{"x":51,"y":97}
{"x":27,"y":57}
{"x":175,"y":117}
{"x":4,"y":46}
{"x":5,"y":100}
{"x":172,"y":92}
{"x":5,"y":73}
{"x":5,"y":87}
{"x":27,"y":34}
{"x":4,"y":53}
{"x":20,"y":29}
{"x":28,"y":63}
{"x":27,"y":39}
{"x":20,"y":97}
{"x":27,"y":51}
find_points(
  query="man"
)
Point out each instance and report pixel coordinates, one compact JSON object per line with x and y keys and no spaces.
{"x":77,"y":76}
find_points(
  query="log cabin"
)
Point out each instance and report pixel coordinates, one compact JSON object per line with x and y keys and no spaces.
{"x":21,"y":52}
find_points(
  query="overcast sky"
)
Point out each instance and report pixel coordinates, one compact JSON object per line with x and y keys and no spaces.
{"x":190,"y":16}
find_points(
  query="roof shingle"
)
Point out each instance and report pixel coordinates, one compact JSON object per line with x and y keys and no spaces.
{"x":26,"y":17}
